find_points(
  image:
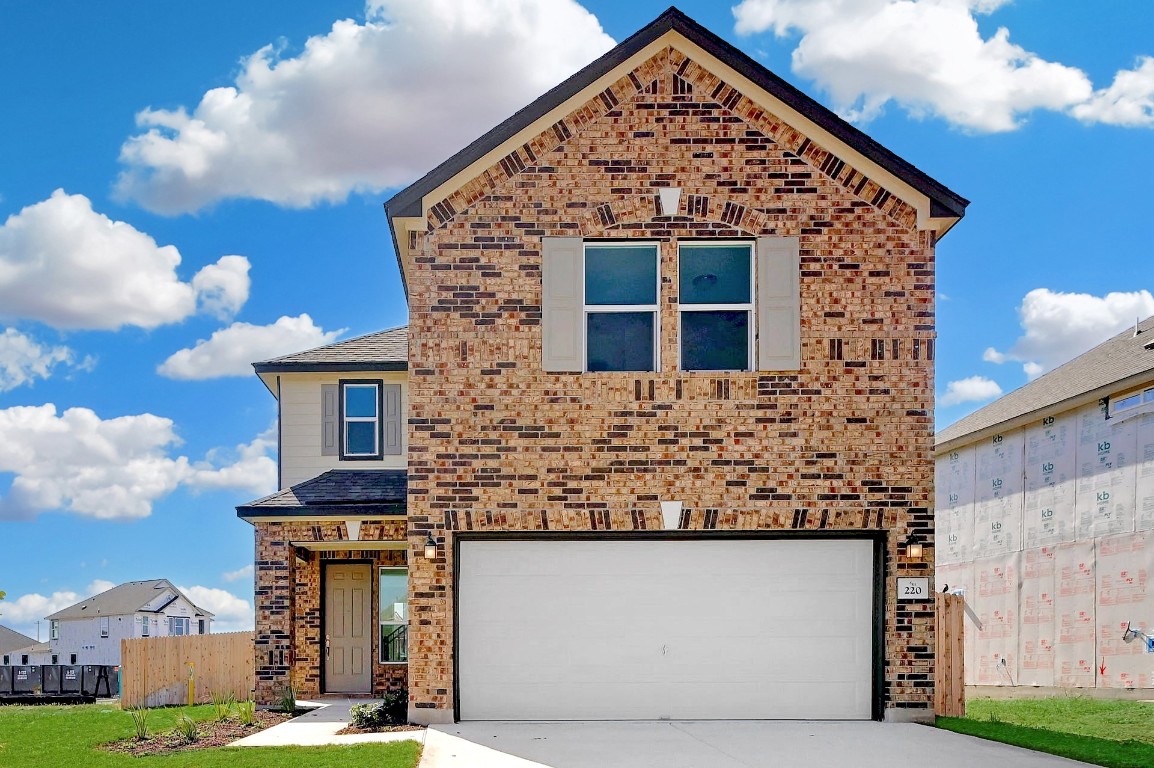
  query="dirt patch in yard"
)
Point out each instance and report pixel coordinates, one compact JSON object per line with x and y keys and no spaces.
{"x":349,"y":730}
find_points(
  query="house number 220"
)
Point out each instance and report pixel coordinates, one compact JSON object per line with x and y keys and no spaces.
{"x":913,"y":588}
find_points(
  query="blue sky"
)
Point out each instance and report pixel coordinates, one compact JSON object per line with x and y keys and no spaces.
{"x":178,"y":170}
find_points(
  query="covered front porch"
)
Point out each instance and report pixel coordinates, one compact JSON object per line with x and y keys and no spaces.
{"x":331,"y":585}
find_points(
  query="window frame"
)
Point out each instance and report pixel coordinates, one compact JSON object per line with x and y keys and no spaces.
{"x":381,"y":623}
{"x":1143,"y":402}
{"x":105,"y":626}
{"x":175,"y":621}
{"x":653,"y":309}
{"x":145,"y":627}
{"x":750,"y":308}
{"x":54,"y":629}
{"x":379,"y":437}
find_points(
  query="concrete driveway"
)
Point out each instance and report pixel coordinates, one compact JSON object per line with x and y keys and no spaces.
{"x":717,"y":744}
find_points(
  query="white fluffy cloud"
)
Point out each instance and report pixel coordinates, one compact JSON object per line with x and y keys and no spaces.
{"x":353,"y":111}
{"x":1129,"y":101}
{"x":23,"y":359}
{"x":930,"y":57}
{"x":1060,"y":326}
{"x":232,"y":613}
{"x":974,"y":389}
{"x":231,"y":351}
{"x":67,"y":266}
{"x":249,"y":467}
{"x":244,"y":572}
{"x":21,"y":613}
{"x":110,"y":468}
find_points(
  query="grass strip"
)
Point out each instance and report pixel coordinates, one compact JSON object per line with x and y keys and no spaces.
{"x":1089,"y":749}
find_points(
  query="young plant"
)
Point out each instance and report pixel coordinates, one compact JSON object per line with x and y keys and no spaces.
{"x":186,"y":728}
{"x":246,"y":712}
{"x":223,"y":704}
{"x":139,"y":722}
{"x":288,"y":700}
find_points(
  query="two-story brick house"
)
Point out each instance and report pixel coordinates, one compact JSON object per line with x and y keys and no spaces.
{"x":668,"y":389}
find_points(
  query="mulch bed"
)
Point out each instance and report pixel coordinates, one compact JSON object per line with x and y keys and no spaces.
{"x":210,"y":733}
{"x":349,"y":730}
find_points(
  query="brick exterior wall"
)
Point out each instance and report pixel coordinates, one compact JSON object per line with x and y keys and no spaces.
{"x":288,"y":603}
{"x":497,"y":444}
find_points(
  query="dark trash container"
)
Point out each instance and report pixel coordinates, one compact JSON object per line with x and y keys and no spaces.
{"x":5,"y":680}
{"x":71,"y":678}
{"x":27,"y":679}
{"x":51,"y":677}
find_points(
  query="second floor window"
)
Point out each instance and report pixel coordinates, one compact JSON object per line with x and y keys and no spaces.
{"x":104,"y":626}
{"x":621,"y":306}
{"x":54,"y":629}
{"x":715,"y":283}
{"x":361,"y":420}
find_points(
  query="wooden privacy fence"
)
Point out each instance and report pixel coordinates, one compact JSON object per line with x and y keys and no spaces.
{"x":154,"y":671}
{"x":950,"y":678}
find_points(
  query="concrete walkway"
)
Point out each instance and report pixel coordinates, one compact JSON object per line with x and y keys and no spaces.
{"x":320,"y":726}
{"x":717,"y":744}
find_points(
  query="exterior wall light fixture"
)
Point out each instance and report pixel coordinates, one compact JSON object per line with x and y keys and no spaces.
{"x":913,"y":547}
{"x":430,"y":547}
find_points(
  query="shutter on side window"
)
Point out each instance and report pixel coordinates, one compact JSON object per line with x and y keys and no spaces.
{"x":778,"y":304}
{"x":562,"y":308}
{"x":391,"y":422}
{"x":330,"y":420}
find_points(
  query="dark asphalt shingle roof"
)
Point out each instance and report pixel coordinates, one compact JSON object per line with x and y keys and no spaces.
{"x":1121,"y":357}
{"x":386,"y":350}
{"x":130,"y":597}
{"x":349,"y":491}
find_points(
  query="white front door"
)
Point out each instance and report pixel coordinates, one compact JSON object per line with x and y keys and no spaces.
{"x":680,"y":629}
{"x":348,"y":641}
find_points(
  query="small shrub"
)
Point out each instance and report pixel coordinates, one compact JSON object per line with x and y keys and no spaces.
{"x":392,"y":710}
{"x":246,"y":712}
{"x":288,"y":700}
{"x":186,"y":728}
{"x":139,"y":722}
{"x":223,"y":704}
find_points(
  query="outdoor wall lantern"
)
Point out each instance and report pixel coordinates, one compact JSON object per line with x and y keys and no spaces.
{"x":430,"y":547}
{"x":913,"y":547}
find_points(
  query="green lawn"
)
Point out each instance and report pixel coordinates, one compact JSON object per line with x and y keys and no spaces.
{"x":1118,"y":734}
{"x":51,"y":736}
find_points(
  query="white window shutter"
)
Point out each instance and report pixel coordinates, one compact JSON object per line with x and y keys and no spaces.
{"x":330,"y":420}
{"x":778,"y":304}
{"x":562,"y":304}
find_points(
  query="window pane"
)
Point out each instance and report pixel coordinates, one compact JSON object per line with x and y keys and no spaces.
{"x":361,"y":437}
{"x":715,"y":274}
{"x":715,"y":341}
{"x":1148,"y":396}
{"x":1127,"y":402}
{"x":625,"y":275}
{"x":394,"y":595}
{"x":620,"y":341}
{"x":361,"y":400}
{"x":394,"y":643}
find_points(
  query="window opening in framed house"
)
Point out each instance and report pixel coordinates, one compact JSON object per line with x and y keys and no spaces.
{"x":394,"y":615}
{"x":104,"y":626}
{"x":621,"y":289}
{"x":1132,"y":401}
{"x":178,"y":625}
{"x":145,"y":627}
{"x":54,"y":629}
{"x":715,"y":303}
{"x":360,"y":420}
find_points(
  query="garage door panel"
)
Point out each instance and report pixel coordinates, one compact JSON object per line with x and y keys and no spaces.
{"x":650,"y":629}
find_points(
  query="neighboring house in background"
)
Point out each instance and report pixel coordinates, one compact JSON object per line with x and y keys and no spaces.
{"x":90,"y":631}
{"x":668,"y":388}
{"x":14,"y":646}
{"x":1045,"y":520}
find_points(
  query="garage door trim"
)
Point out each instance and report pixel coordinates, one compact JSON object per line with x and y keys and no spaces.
{"x":878,"y":537}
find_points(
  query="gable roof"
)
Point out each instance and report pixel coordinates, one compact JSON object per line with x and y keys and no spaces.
{"x":130,"y":597}
{"x":1123,"y":361}
{"x":336,"y":492}
{"x":409,"y":202}
{"x":386,"y":350}
{"x":11,"y":640}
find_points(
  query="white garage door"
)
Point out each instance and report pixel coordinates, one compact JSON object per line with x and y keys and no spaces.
{"x":680,"y":629}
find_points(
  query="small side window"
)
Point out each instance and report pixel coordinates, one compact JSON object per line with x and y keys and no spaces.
{"x":360,"y":419}
{"x":104,"y":626}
